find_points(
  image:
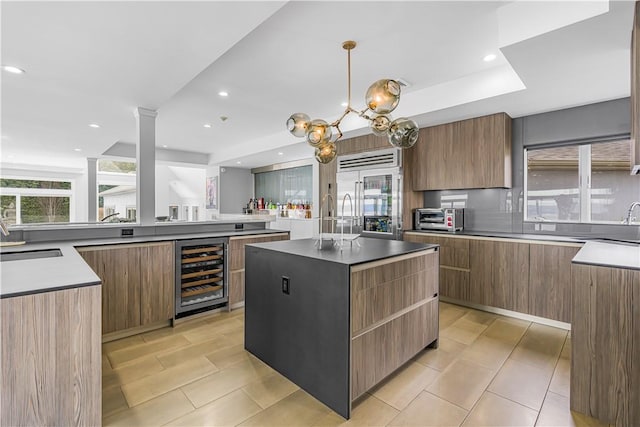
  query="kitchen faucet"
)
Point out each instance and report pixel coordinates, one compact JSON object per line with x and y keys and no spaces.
{"x":628,"y":219}
{"x":330,"y":206}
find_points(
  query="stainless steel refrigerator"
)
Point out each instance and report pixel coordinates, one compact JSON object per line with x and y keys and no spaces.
{"x":373,"y":181}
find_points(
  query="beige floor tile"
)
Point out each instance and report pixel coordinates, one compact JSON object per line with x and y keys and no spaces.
{"x":220,"y":383}
{"x":488,"y":352}
{"x":441,"y":357}
{"x":229,"y":356}
{"x":401,"y":387}
{"x":566,"y":349}
{"x":172,"y":330}
{"x":448,"y":314}
{"x":235,"y":336}
{"x":128,"y":355}
{"x":482,"y":317}
{"x":462,"y":383}
{"x":555,"y":412}
{"x":113,"y":401}
{"x":106,"y":365}
{"x":493,"y":410}
{"x":152,"y":386}
{"x":430,"y":410}
{"x":561,"y":380}
{"x":210,"y":331}
{"x":229,"y":410}
{"x":184,"y":354}
{"x":298,"y":409}
{"x":131,"y":372}
{"x":269,"y":389}
{"x":463,"y":331}
{"x":368,"y":411}
{"x":521,"y":383}
{"x":121,"y":343}
{"x":155,"y":412}
{"x":540,"y":346}
{"x":507,"y":330}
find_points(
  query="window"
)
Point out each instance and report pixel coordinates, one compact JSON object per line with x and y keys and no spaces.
{"x":580,"y":183}
{"x":27,"y":201}
{"x":116,"y":190}
{"x":131,"y":213}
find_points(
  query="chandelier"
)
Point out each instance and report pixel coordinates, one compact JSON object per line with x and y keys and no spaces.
{"x":381,"y":98}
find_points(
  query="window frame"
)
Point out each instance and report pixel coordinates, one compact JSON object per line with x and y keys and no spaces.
{"x":19,"y":192}
{"x":584,"y":178}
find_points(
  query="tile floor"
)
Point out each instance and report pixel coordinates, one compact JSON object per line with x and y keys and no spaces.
{"x":489,"y":370}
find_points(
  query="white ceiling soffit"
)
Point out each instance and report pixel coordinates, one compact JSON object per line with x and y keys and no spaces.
{"x":128,"y":150}
{"x":95,"y":62}
{"x":572,"y":53}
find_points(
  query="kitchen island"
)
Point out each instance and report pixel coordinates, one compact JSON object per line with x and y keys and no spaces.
{"x":337,"y":322}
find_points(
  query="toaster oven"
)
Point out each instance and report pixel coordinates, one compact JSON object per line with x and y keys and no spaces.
{"x":444,"y":219}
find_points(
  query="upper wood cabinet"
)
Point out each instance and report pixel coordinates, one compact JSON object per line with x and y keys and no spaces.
{"x":635,"y":91}
{"x":474,"y":153}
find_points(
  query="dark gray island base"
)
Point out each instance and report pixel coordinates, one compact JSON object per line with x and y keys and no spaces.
{"x":335,"y":322}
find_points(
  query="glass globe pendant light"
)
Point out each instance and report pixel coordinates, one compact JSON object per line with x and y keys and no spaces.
{"x":381,"y":98}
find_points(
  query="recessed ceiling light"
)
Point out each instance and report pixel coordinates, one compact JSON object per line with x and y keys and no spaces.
{"x":238,"y":162}
{"x":223,"y":93}
{"x":490,"y":57}
{"x":77,"y":149}
{"x":280,"y":153}
{"x":12,"y":69}
{"x":207,"y":125}
{"x":164,"y":145}
{"x":344,"y":104}
{"x":94,"y":125}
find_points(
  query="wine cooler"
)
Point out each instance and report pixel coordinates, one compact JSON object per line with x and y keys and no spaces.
{"x":201,"y":281}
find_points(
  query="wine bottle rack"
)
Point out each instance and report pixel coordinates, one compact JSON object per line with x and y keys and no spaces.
{"x":200,"y":275}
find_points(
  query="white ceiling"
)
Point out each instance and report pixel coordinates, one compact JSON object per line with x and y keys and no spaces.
{"x":96,"y":61}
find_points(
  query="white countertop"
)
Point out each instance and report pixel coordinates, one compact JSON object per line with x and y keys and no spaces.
{"x":614,"y":255}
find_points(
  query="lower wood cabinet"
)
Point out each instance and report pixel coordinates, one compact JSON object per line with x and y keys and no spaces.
{"x":51,"y":358}
{"x":605,"y":344}
{"x":529,"y":277}
{"x":549,"y":281}
{"x":137,"y":283}
{"x":236,"y":262}
{"x":500,"y":274}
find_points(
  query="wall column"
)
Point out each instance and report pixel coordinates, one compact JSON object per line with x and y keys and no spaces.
{"x":146,"y":163}
{"x":92,"y":189}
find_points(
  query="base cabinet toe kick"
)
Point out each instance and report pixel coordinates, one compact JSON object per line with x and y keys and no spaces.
{"x":337,"y":330}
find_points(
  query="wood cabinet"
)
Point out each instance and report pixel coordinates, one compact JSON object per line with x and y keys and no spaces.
{"x":137,"y":283}
{"x":473,"y":153}
{"x":605,"y":344}
{"x":237,"y":265}
{"x":499,"y":274}
{"x":454,"y":263}
{"x":51,"y":359}
{"x":394,"y":315}
{"x":529,"y":277}
{"x":635,"y":87}
{"x":550,"y":279}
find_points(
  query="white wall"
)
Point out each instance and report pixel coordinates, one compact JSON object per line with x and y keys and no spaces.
{"x":181,"y":186}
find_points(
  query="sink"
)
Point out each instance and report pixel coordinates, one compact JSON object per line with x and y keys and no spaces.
{"x":18,"y":256}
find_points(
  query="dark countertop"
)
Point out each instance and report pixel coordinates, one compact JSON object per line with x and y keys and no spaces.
{"x":501,"y":235}
{"x":609,"y":255}
{"x":23,"y":277}
{"x":370,"y":249}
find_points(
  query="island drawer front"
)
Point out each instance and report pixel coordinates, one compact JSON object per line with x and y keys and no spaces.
{"x":382,"y":350}
{"x":237,"y":243}
{"x":381,"y":290}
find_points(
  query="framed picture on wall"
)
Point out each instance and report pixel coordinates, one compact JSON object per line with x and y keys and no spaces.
{"x":212,"y":192}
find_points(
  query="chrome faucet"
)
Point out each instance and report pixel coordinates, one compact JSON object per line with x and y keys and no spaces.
{"x":4,"y":228}
{"x":321,"y":219}
{"x":631,"y":208}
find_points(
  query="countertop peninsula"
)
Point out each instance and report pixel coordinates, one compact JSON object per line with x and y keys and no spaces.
{"x":29,"y":276}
